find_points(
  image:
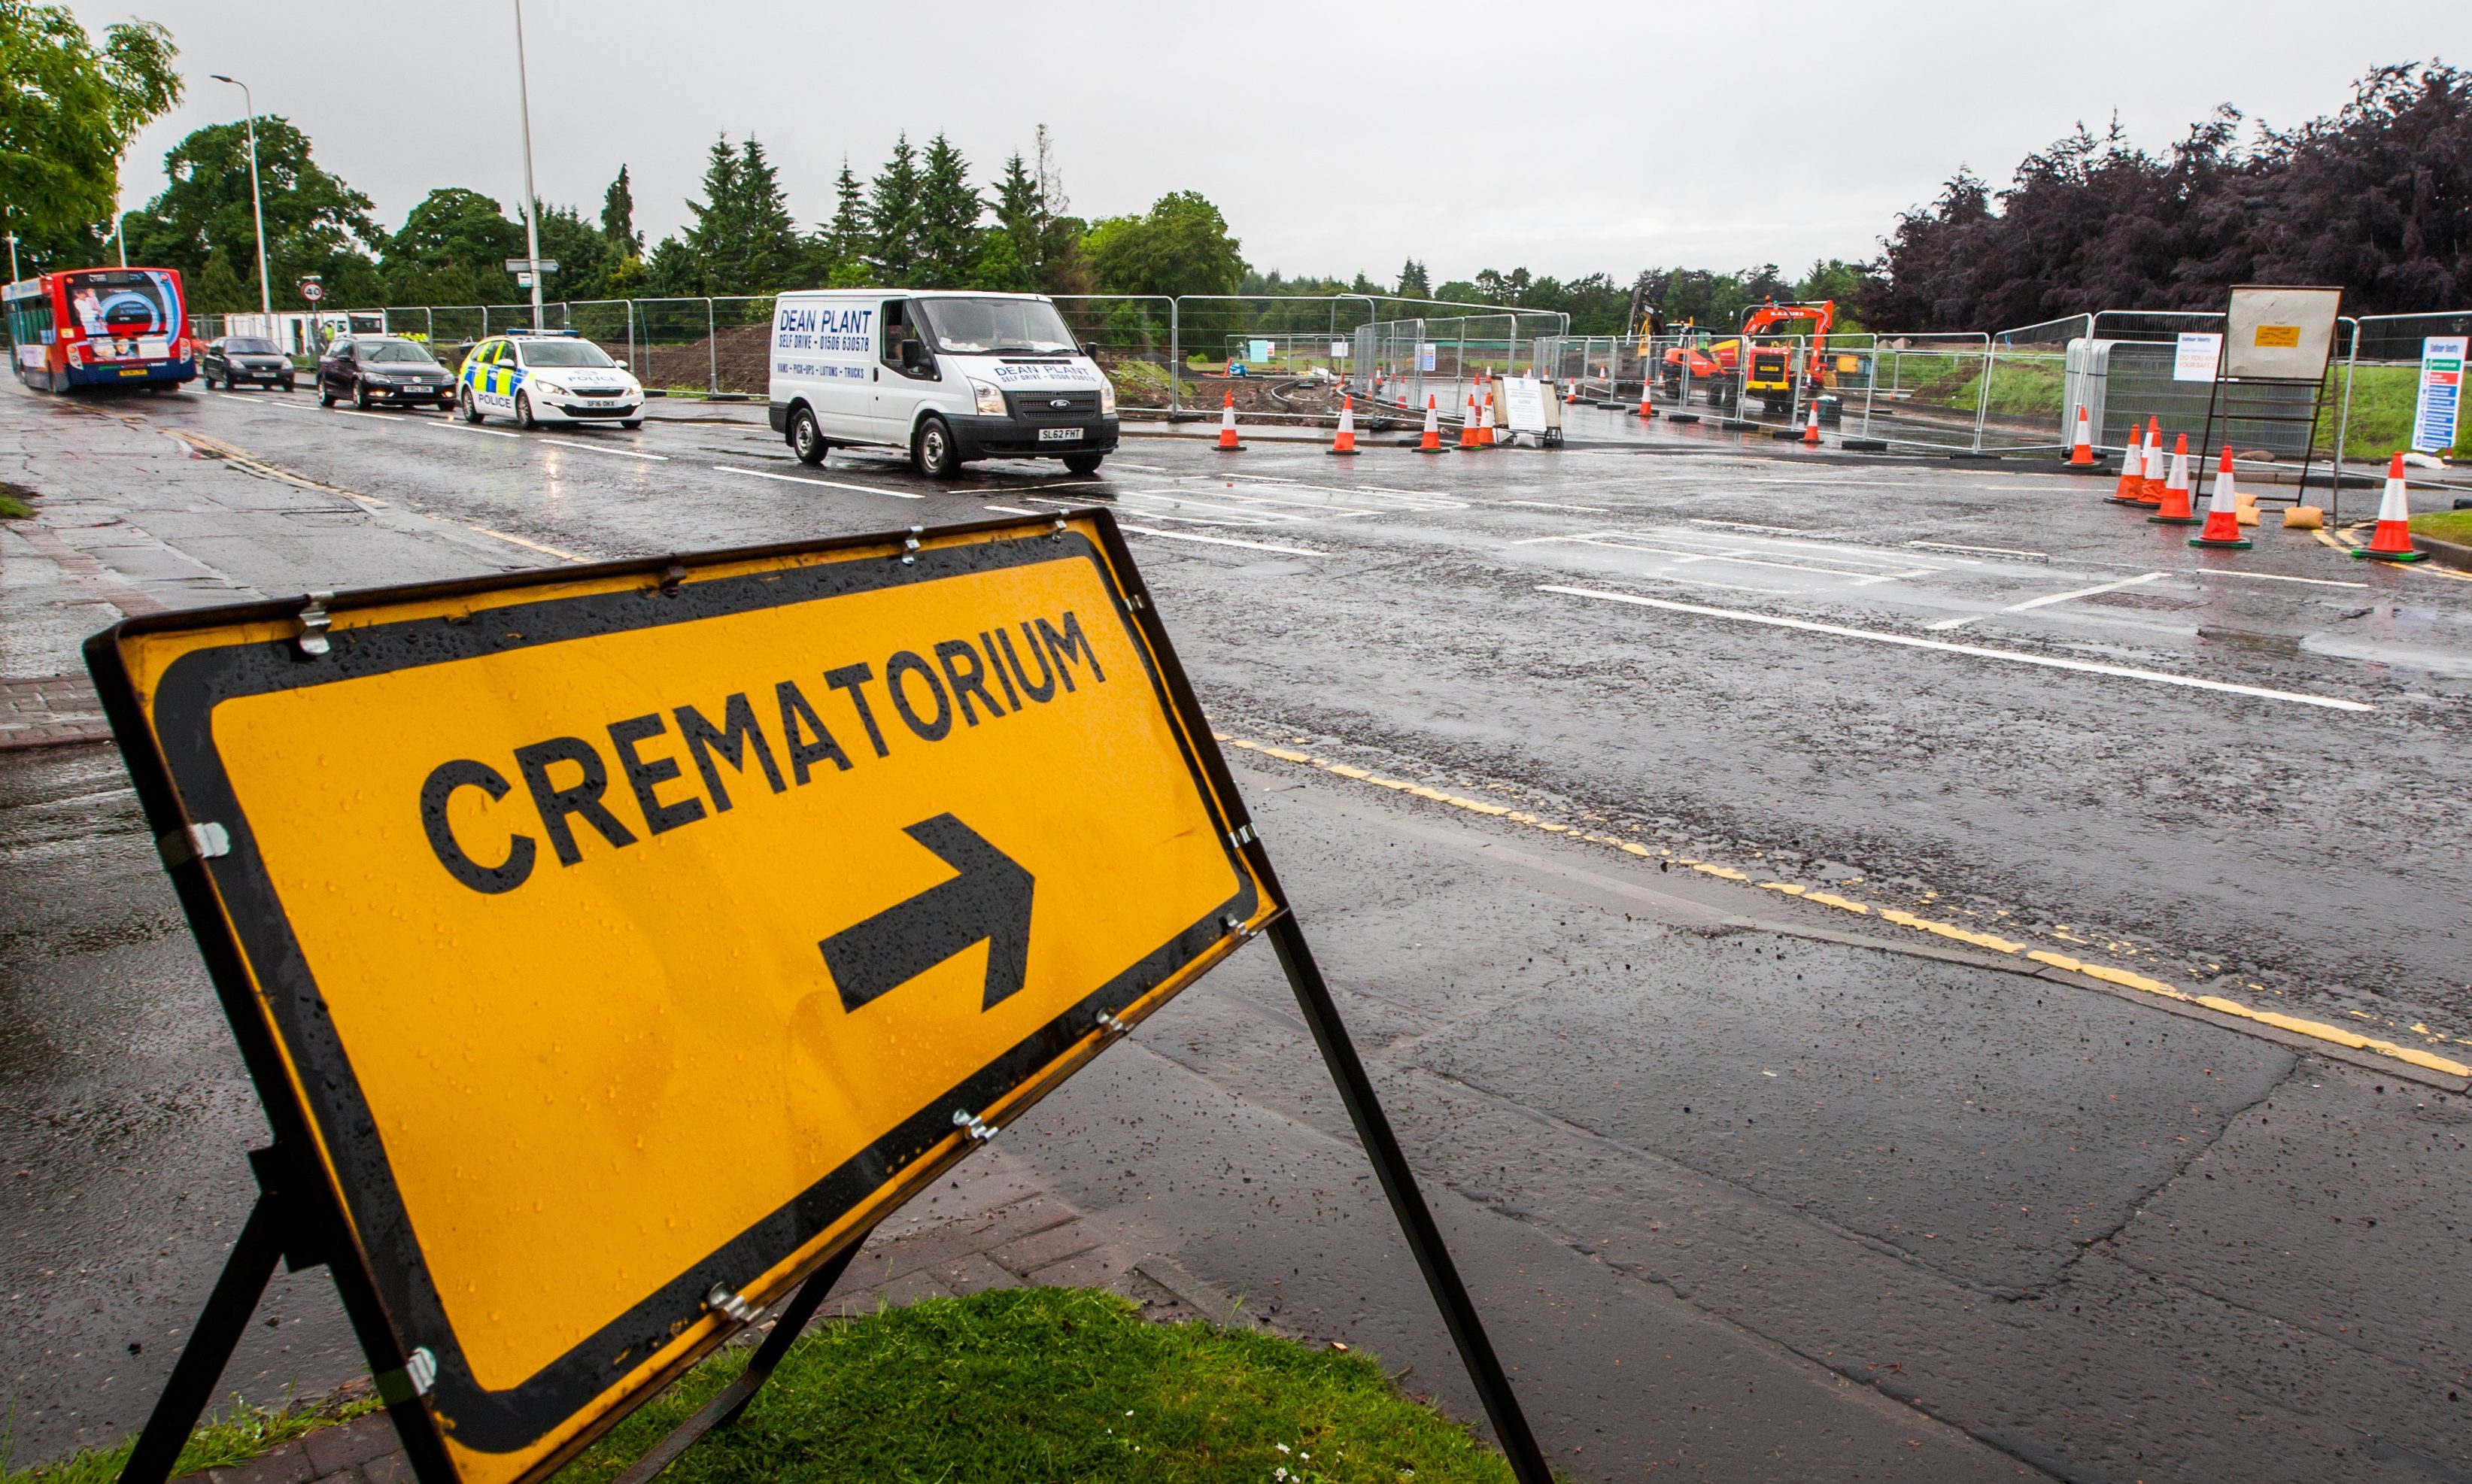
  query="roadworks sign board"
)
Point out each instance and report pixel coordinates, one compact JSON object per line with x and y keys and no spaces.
{"x":626,"y":941}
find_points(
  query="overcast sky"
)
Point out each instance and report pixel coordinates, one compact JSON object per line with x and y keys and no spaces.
{"x":1568,"y":138}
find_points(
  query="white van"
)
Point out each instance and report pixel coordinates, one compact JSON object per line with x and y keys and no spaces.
{"x":949,"y":376}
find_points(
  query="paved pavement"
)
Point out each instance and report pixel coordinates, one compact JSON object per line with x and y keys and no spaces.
{"x":2112,"y":1137}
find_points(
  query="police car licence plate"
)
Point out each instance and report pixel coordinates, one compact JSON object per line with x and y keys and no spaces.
{"x":1060,"y":435}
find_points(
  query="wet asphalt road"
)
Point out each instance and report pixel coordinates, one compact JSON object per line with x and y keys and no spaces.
{"x":1955,"y":1222}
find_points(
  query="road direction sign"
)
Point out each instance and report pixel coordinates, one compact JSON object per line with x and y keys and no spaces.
{"x":525,"y":265}
{"x":620,"y":944}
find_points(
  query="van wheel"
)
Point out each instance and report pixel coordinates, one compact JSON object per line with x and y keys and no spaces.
{"x":932,"y":451}
{"x":806,"y":439}
{"x":1084,"y":463}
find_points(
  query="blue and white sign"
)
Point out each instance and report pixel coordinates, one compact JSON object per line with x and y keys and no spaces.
{"x":1424,"y":358}
{"x":2442,"y":393}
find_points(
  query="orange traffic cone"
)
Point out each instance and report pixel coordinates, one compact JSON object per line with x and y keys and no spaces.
{"x":1467,"y":426}
{"x":2082,"y":452}
{"x":1432,"y":441}
{"x":1227,"y":423}
{"x":1811,"y":426}
{"x":1485,"y":429}
{"x":1571,"y":394}
{"x":2150,"y":479}
{"x":2132,"y":472}
{"x":2392,"y":539}
{"x":1345,"y":442}
{"x":1645,"y":410}
{"x":2223,"y":513}
{"x":2175,"y":509}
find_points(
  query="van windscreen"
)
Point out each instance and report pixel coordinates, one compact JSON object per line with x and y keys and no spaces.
{"x":997,"y":327}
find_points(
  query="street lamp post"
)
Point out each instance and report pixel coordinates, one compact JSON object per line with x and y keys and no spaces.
{"x":532,"y":198}
{"x":257,"y":203}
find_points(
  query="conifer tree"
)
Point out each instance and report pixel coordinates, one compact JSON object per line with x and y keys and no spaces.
{"x":845,"y":239}
{"x":893,"y":217}
{"x":948,"y":217}
{"x":1021,"y":213}
{"x":618,"y":217}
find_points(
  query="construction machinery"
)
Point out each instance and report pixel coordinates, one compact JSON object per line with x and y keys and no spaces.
{"x":1773,"y":375}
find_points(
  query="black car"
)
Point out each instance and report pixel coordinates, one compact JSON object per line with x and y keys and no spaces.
{"x":376,"y":370}
{"x":246,"y":360}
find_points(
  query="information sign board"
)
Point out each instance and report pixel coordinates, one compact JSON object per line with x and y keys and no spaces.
{"x":2196,"y":356}
{"x":2273,"y":332}
{"x":1523,"y":404}
{"x":2434,"y":413}
{"x":624,"y":942}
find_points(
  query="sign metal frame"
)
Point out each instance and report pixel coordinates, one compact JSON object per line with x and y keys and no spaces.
{"x":314,"y":1200}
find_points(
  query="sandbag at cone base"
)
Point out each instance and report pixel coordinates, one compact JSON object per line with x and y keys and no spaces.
{"x":2222,"y":520}
{"x":1227,"y":424}
{"x":2175,"y":509}
{"x":1345,"y":442}
{"x":1431,"y":440}
{"x":2391,"y":541}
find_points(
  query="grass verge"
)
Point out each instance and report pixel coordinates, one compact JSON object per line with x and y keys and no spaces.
{"x":230,"y":1440}
{"x":2444,"y":525}
{"x":1021,"y":1383}
{"x":11,"y":506}
{"x":1055,"y":1383}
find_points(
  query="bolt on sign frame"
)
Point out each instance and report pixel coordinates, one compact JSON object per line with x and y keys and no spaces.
{"x":680,"y":918}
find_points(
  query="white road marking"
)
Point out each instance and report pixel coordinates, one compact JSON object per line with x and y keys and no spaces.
{"x":1736,"y":556}
{"x":1978,"y":651}
{"x":1547,"y":505}
{"x":794,"y":478}
{"x":1983,"y":551}
{"x":345,"y":412}
{"x":531,"y":545}
{"x":2268,"y":576}
{"x":466,"y":427}
{"x":1187,"y":535}
{"x":1010,"y":510}
{"x":595,"y":448}
{"x":2050,"y":599}
{"x":1766,"y":531}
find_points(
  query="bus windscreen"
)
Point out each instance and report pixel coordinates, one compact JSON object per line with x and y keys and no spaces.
{"x":123,"y":302}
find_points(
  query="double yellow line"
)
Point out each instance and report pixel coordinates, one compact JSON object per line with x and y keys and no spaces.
{"x":2317,"y":1030}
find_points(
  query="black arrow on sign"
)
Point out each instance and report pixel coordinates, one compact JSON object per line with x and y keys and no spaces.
{"x":989,"y":900}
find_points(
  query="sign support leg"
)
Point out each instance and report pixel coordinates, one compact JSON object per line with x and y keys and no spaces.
{"x":1416,"y":1222}
{"x":725,"y":1409}
{"x":209,"y":1347}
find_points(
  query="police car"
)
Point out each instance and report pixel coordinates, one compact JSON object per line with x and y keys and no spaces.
{"x":547,"y":376}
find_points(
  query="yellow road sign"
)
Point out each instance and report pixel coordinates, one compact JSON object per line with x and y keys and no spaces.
{"x":627,"y":941}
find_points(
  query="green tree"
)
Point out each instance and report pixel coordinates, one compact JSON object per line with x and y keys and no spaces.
{"x":1412,"y":282}
{"x":618,"y":217}
{"x":893,"y":217}
{"x":948,"y":218}
{"x":217,"y":290}
{"x":1062,"y":264}
{"x":315,"y":223}
{"x":1182,"y":247}
{"x":586,"y":254}
{"x":742,"y":239}
{"x":841,"y":245}
{"x":68,"y":110}
{"x":453,"y":249}
{"x":998,"y":267}
{"x":1021,"y":212}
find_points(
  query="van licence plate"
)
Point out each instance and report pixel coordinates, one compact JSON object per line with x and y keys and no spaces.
{"x":1060,"y":435}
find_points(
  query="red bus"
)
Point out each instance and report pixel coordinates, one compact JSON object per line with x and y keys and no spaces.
{"x":100,"y":327}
